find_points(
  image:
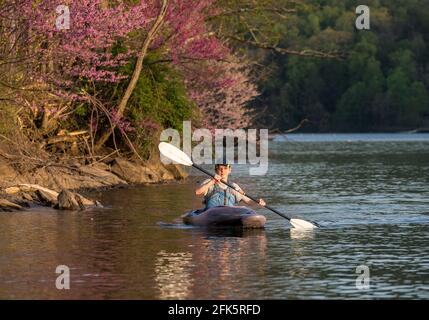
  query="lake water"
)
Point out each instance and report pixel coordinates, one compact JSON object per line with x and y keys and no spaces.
{"x":370,"y":192}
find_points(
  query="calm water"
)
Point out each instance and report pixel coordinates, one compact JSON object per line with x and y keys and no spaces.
{"x":370,"y":192}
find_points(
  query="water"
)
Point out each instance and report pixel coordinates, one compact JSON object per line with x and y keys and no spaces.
{"x":370,"y":193}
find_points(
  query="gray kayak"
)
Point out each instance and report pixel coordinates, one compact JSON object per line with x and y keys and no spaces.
{"x":224,"y":216}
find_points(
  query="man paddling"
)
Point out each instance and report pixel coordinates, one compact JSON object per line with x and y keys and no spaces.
{"x":177,"y":155}
{"x":218,"y":194}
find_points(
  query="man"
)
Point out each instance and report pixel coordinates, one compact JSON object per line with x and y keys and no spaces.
{"x":218,"y":194}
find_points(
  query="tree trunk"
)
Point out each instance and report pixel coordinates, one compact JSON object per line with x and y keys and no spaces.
{"x":137,"y":70}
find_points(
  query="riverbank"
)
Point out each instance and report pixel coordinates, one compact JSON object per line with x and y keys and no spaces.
{"x":25,"y":188}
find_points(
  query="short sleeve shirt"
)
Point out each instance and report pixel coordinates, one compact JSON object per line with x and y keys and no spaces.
{"x":238,"y":195}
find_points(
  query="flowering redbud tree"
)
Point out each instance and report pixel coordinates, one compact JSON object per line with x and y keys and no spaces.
{"x":60,"y":59}
{"x":222,"y":91}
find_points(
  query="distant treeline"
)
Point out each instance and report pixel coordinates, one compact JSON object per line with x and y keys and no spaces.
{"x":379,"y":82}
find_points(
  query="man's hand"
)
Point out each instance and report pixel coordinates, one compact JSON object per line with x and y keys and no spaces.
{"x":262,"y":202}
{"x":217,"y":178}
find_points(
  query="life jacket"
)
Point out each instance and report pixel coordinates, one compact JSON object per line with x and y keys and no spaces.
{"x":220,"y":197}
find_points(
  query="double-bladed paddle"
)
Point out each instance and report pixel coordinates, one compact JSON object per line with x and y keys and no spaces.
{"x":178,"y":156}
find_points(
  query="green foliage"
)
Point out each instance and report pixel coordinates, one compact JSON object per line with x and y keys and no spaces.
{"x":159,"y":95}
{"x":408,"y":98}
{"x":381,"y":85}
{"x":81,"y":110}
{"x":158,"y":101}
{"x":162,"y":98}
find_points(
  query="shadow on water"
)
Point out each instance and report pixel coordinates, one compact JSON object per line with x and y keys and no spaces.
{"x":213,"y":231}
{"x":229,"y":232}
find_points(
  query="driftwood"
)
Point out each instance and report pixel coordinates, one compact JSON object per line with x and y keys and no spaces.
{"x":277,"y":131}
{"x":51,"y":196}
{"x":66,"y":137}
{"x":298,"y":126}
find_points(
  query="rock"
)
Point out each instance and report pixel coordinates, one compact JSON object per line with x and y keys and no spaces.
{"x":178,"y":171}
{"x":134,"y":173}
{"x":27,"y":196}
{"x":47,"y":197}
{"x":48,"y":193}
{"x":12,"y":190}
{"x":101,"y":173}
{"x":26,"y":188}
{"x":6,"y":205}
{"x":166,"y":172}
{"x":162,"y":172}
{"x":50,"y":197}
{"x":87,"y":202}
{"x":7,"y":172}
{"x":67,"y":200}
{"x":88,"y":177}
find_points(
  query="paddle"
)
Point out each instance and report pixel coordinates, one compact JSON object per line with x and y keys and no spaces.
{"x":177,"y":155}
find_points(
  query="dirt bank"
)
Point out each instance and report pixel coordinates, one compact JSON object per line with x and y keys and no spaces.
{"x":60,"y":177}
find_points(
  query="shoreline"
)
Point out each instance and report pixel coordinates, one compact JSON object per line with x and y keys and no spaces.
{"x":60,"y":184}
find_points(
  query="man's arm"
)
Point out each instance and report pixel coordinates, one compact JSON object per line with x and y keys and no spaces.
{"x":247,"y":200}
{"x":206,"y":186}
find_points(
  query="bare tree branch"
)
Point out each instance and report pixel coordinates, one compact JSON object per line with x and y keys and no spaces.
{"x":137,"y":70}
{"x":303,"y":53}
{"x":298,"y":126}
{"x":279,"y":11}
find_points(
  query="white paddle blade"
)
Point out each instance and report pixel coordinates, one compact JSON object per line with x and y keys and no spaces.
{"x":174,"y":154}
{"x":302,"y":224}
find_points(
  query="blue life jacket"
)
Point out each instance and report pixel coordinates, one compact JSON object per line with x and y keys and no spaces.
{"x":220,"y":197}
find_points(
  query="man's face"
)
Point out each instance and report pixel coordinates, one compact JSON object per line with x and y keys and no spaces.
{"x":223,"y":171}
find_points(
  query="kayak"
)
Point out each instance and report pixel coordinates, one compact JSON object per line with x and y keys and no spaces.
{"x":224,"y":216}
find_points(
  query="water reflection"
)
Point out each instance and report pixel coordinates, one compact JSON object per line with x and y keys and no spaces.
{"x":296,"y":234}
{"x":172,"y":274}
{"x":208,"y":270}
{"x":221,"y":259}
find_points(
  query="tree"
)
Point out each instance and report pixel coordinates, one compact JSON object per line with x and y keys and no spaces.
{"x":222,"y":91}
{"x":356,"y":109}
{"x":152,"y":33}
{"x":104,"y":38}
{"x":408,"y":98}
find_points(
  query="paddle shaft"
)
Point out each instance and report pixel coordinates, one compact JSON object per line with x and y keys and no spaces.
{"x":248,"y":196}
{"x":177,"y":155}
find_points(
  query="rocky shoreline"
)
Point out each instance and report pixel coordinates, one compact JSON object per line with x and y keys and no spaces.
{"x":57,"y":184}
